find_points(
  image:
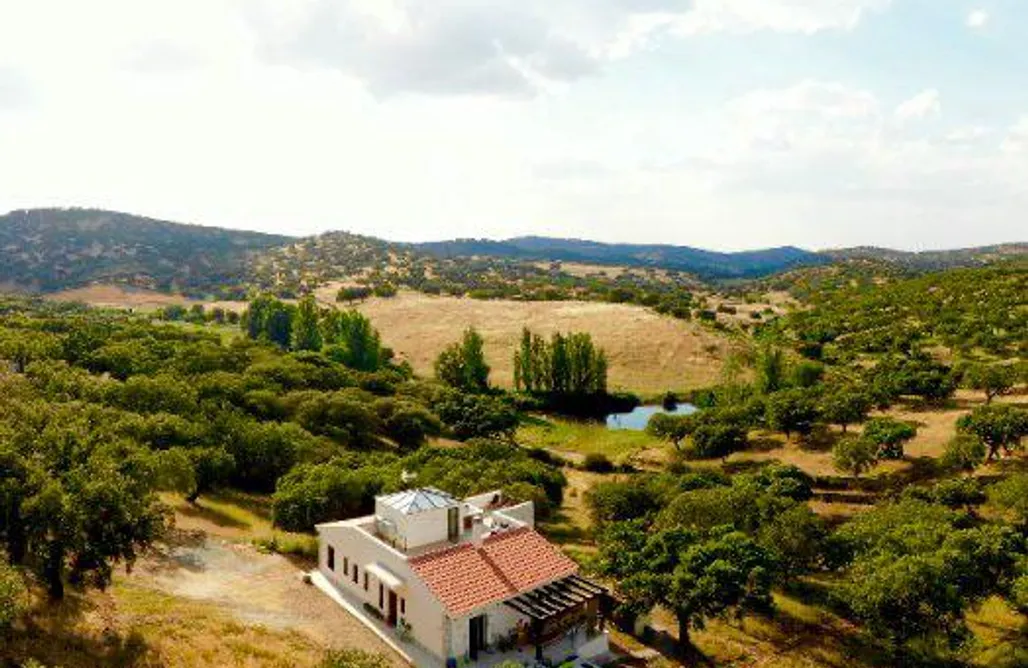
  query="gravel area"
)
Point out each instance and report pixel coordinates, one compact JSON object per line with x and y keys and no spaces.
{"x":256,"y":588}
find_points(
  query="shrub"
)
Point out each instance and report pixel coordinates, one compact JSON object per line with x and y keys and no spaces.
{"x":354,"y":658}
{"x":597,"y":463}
{"x":13,"y":594}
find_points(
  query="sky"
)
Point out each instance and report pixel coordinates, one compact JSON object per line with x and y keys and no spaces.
{"x":723,"y":124}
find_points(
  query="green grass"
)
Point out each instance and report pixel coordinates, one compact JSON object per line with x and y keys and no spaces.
{"x":242,"y":516}
{"x":583,"y":438}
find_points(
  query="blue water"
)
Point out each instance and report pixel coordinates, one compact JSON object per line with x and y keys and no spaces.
{"x":637,"y":419}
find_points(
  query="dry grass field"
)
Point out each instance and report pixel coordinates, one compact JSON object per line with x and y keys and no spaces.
{"x":117,"y":296}
{"x":647,"y":352}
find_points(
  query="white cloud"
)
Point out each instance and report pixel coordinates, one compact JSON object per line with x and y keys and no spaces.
{"x":15,"y":89}
{"x":1016,"y":140}
{"x":789,"y":16}
{"x":977,"y":19}
{"x":968,"y":135}
{"x":924,"y":104}
{"x":437,"y":47}
{"x":506,"y":48}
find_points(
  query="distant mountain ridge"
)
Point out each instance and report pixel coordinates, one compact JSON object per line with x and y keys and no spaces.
{"x":705,"y":264}
{"x":48,"y":250}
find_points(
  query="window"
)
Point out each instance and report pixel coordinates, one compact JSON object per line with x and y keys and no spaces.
{"x":403,"y":606}
{"x":346,"y":565}
{"x":365,"y":580}
{"x":381,"y":595}
{"x":355,"y":573}
{"x":331,"y":558}
{"x":453,"y":523}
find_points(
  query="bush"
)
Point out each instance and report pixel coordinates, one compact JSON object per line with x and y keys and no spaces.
{"x":354,"y":658}
{"x":13,"y":594}
{"x":298,"y":546}
{"x":598,"y":463}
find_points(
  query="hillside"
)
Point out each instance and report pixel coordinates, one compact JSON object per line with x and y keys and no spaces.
{"x":703,"y":263}
{"x":52,"y":249}
{"x":932,"y":260}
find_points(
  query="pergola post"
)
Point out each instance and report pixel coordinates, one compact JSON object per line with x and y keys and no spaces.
{"x":537,"y":638}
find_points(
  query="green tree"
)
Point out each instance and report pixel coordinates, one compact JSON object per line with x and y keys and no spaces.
{"x":463,"y":366}
{"x":854,"y":455}
{"x":569,"y":364}
{"x":255,"y":319}
{"x":998,"y":426}
{"x":353,"y":341}
{"x":212,"y":468}
{"x":306,"y":329}
{"x":992,"y":379}
{"x":278,"y":327}
{"x":917,"y":567}
{"x":771,"y":370}
{"x":671,"y":428}
{"x":477,"y":416}
{"x":1011,"y":496}
{"x":845,"y":406}
{"x":806,"y":373}
{"x":22,"y":347}
{"x":75,"y":499}
{"x":792,"y":411}
{"x":717,"y":438}
{"x":697,"y":576}
{"x":964,"y":452}
{"x":406,"y":423}
{"x":890,"y":435}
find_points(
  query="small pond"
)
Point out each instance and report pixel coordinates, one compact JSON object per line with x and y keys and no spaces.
{"x":638,"y":418}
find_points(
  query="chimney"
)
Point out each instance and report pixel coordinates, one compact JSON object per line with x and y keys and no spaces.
{"x":478,"y":531}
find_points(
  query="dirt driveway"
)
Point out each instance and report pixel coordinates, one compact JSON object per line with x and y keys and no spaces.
{"x":259,"y":589}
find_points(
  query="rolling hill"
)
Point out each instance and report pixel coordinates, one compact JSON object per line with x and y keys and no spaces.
{"x":702,"y":263}
{"x":932,"y":260}
{"x":44,"y":250}
{"x":49,"y":250}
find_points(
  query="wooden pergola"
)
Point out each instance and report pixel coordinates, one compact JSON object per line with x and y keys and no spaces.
{"x":563,"y":599}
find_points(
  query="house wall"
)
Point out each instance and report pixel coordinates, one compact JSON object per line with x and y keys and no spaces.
{"x":523,"y":512}
{"x":418,"y":529}
{"x":502,"y":620}
{"x":424,"y":612}
{"x":483,"y":500}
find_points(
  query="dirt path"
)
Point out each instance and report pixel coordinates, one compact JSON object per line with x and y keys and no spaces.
{"x":255,"y":588}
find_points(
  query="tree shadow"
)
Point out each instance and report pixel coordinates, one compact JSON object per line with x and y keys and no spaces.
{"x":921,"y":469}
{"x":259,"y":505}
{"x":668,"y":647}
{"x":764,"y":444}
{"x":562,"y":529}
{"x":52,"y":634}
{"x":179,"y":550}
{"x":212,"y":515}
{"x":746,"y":466}
{"x":820,"y":439}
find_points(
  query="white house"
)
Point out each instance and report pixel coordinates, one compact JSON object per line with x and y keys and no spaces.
{"x":464,"y":579}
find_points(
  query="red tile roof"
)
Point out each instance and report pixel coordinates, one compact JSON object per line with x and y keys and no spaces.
{"x":467,"y":577}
